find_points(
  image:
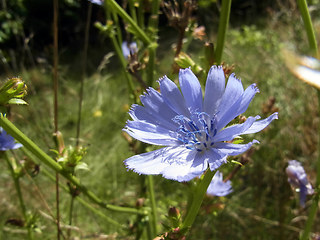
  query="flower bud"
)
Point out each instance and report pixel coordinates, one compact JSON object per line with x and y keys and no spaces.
{"x":185,"y":61}
{"x":12,"y":90}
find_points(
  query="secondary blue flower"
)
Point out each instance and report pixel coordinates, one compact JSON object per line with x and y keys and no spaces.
{"x":7,"y":142}
{"x":99,"y":2}
{"x":218,"y":187}
{"x":297,"y":177}
{"x":191,"y":128}
{"x":129,"y":49}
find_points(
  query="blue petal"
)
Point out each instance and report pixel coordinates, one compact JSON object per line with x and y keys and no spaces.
{"x":233,"y":92}
{"x":175,"y":163}
{"x":150,"y":133}
{"x":191,"y":90}
{"x":154,"y":103}
{"x":172,"y":96}
{"x":240,"y":106}
{"x":233,"y":149}
{"x":260,"y":125}
{"x":139,"y":113}
{"x":218,"y":187}
{"x":214,"y":158}
{"x":215,"y":87}
{"x":233,"y":131}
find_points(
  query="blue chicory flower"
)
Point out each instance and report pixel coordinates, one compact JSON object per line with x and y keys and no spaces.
{"x":7,"y":142}
{"x":99,"y":2}
{"x":128,"y":49}
{"x":218,"y":187}
{"x":297,"y":178}
{"x":191,"y":128}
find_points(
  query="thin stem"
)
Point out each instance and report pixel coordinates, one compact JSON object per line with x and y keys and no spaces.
{"x":116,"y":23}
{"x":135,"y":28}
{"x":153,"y":204}
{"x":46,"y":159}
{"x":223,"y":25}
{"x":55,"y":99}
{"x":15,"y":178}
{"x":153,"y":24}
{"x":197,"y":199}
{"x":303,"y":7}
{"x":151,"y":66}
{"x":84,"y":70}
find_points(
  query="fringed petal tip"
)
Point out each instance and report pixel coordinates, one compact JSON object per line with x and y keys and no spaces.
{"x":233,"y":75}
{"x":255,"y":88}
{"x":161,"y":78}
{"x":183,"y":70}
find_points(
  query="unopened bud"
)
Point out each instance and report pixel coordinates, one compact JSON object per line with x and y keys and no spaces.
{"x":12,"y":91}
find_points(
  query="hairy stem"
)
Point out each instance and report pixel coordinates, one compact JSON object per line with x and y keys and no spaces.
{"x":197,"y":199}
{"x":153,"y":204}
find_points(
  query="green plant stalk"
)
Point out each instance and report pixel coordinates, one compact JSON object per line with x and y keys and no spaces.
{"x":135,"y":28}
{"x":153,"y":24}
{"x":133,"y":11}
{"x":118,"y":29}
{"x":153,"y":204}
{"x":15,"y":178}
{"x":46,"y":159}
{"x":124,"y":65}
{"x":151,"y":65}
{"x":223,"y":25}
{"x":197,"y":199}
{"x":303,"y":7}
{"x":84,"y":74}
{"x":141,"y":15}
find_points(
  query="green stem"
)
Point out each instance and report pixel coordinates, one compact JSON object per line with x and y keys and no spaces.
{"x":46,"y":159}
{"x":153,"y":23}
{"x":118,"y":29}
{"x":223,"y":25}
{"x":153,"y":204}
{"x":303,"y":7}
{"x":135,"y":28}
{"x":197,"y":199}
{"x":15,"y":178}
{"x":151,"y":65}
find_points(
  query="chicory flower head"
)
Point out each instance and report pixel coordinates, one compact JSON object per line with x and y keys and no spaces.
{"x":7,"y":142}
{"x":218,"y":187}
{"x":297,"y":177}
{"x":192,"y":128}
{"x":129,"y":49}
{"x":99,"y":2}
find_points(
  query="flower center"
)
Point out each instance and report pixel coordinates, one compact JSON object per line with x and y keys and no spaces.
{"x":196,"y":132}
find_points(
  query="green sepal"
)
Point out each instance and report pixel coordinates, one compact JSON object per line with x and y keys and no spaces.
{"x":17,"y":101}
{"x":236,"y":162}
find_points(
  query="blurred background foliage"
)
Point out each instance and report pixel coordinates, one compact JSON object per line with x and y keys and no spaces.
{"x":262,"y":206}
